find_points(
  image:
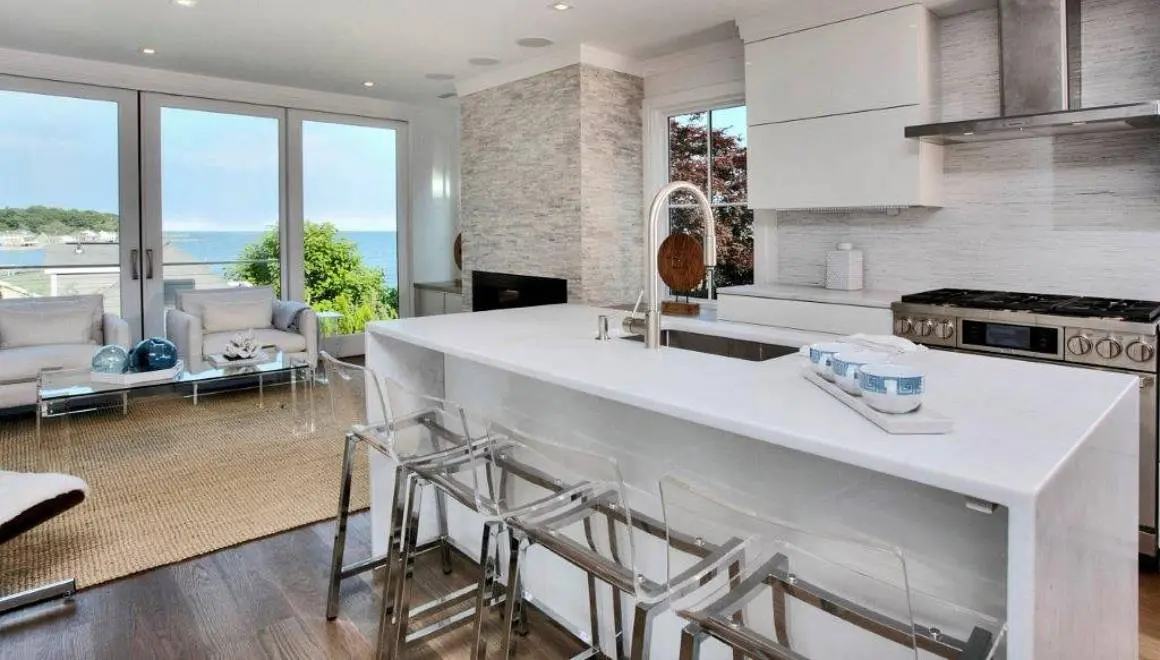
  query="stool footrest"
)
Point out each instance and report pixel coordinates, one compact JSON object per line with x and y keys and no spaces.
{"x":363,"y":566}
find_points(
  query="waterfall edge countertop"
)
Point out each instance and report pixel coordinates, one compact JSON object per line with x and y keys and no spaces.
{"x":1015,"y":422}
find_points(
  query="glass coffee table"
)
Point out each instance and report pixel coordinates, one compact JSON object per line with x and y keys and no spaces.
{"x":64,"y":392}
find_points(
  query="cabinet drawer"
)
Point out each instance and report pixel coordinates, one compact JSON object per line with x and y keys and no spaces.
{"x":859,"y":160}
{"x":873,"y":62}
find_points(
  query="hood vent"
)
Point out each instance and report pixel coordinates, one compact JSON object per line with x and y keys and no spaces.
{"x":1041,"y":83}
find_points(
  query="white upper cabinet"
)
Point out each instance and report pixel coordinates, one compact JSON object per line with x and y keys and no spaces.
{"x":827,"y":108}
{"x":844,"y":161}
{"x":872,"y":62}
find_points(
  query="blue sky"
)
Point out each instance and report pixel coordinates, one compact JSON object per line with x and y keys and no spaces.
{"x":219,"y":172}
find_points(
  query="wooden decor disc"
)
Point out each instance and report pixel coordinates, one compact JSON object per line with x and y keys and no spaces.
{"x":458,"y":251}
{"x":681,"y":262}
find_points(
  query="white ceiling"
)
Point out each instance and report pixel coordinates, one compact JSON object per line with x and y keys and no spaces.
{"x":335,"y":45}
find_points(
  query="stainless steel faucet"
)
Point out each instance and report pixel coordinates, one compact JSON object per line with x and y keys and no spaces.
{"x":650,"y":324}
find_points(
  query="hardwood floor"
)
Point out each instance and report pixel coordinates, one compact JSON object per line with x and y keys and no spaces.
{"x":264,"y":599}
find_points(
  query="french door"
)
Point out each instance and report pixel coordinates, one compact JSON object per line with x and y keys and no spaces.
{"x":213,"y":199}
{"x":348,"y":222}
{"x":138,"y":196}
{"x":69,"y":214}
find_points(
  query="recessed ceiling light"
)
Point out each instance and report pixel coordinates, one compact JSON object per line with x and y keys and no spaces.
{"x":560,"y":6}
{"x":148,"y":51}
{"x":534,"y":42}
{"x":439,"y":76}
{"x":369,"y":83}
{"x":484,"y":61}
{"x":185,"y":3}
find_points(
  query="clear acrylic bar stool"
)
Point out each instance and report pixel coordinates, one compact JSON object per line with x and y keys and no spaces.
{"x":358,"y":402}
{"x":571,"y":500}
{"x":781,"y":592}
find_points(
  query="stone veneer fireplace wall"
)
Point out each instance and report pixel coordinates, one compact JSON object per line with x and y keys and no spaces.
{"x":551,"y":181}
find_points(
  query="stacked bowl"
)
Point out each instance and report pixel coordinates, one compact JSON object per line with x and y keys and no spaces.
{"x":885,"y":384}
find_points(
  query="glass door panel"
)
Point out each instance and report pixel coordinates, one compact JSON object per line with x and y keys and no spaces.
{"x":214,"y":199}
{"x":68,"y":208}
{"x":349,"y":215}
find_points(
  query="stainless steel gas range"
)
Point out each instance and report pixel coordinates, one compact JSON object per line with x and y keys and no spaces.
{"x":1093,"y":333}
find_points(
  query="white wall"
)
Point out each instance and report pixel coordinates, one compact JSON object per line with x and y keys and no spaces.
{"x":433,"y":133}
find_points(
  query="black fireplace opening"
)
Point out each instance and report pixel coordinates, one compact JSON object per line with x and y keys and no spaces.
{"x":507,"y":291}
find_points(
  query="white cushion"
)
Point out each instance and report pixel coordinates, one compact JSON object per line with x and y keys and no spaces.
{"x":222,"y":316}
{"x":94,"y":304}
{"x":25,"y":363}
{"x":287,"y":342}
{"x":20,"y":491}
{"x":191,"y":302}
{"x":41,"y":325}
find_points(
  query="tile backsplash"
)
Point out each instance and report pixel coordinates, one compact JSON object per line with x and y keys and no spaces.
{"x":1079,"y":214}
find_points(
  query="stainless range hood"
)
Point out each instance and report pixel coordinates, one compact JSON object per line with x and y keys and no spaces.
{"x":1041,"y":83}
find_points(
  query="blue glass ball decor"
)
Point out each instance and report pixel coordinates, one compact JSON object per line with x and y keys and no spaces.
{"x":111,"y":359}
{"x":153,"y":354}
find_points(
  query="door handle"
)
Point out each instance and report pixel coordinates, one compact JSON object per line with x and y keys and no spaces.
{"x":134,"y":270}
{"x":148,"y":264}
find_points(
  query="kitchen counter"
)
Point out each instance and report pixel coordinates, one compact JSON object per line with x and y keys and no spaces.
{"x":803,"y":293}
{"x":997,"y":404}
{"x":1028,"y":437}
{"x":455,"y":287}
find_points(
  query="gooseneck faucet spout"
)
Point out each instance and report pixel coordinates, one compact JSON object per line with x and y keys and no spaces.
{"x":652,"y":315}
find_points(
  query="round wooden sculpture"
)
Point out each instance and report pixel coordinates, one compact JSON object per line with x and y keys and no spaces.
{"x":681,"y":263}
{"x":457,"y":251}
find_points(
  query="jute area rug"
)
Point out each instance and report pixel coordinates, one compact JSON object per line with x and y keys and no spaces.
{"x":173,"y":481}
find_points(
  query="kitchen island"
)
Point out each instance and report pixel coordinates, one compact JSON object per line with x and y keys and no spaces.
{"x":1026,"y":513}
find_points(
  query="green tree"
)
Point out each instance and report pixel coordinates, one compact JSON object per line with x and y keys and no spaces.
{"x":337,"y":280}
{"x":55,"y":221}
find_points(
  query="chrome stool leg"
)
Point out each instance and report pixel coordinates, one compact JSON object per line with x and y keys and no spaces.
{"x":340,"y":527}
{"x":398,"y":631}
{"x":485,"y":592}
{"x":691,"y":640}
{"x":441,"y":512}
{"x":518,"y":550}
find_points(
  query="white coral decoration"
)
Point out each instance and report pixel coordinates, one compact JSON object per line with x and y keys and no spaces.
{"x":243,"y":345}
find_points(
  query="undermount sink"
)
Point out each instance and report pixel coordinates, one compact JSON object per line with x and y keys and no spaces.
{"x":727,"y":346}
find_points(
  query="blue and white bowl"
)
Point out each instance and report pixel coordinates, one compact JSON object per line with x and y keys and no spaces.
{"x":845,"y":366}
{"x":822,"y":354}
{"x":892,"y":388}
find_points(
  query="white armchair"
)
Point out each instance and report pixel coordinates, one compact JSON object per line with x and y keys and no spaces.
{"x":203,"y":322}
{"x":59,"y":332}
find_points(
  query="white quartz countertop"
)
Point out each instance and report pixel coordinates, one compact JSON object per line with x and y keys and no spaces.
{"x":1015,"y":421}
{"x":803,"y":293}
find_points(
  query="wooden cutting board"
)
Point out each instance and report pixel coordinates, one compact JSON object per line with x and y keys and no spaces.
{"x":457,"y":251}
{"x":681,"y":262}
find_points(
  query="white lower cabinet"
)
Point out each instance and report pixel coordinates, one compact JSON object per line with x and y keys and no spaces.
{"x":433,"y":302}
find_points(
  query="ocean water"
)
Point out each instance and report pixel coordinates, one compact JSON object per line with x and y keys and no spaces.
{"x":378,"y":249}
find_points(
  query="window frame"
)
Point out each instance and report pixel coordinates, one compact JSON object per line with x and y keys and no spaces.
{"x":347,"y":345}
{"x":657,"y":111}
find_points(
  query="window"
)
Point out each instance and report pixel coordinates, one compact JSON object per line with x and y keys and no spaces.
{"x":59,"y":197}
{"x":710,"y":149}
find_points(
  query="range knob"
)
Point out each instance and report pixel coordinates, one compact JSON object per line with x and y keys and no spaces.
{"x":924,"y":327}
{"x":905,"y":326}
{"x":1139,"y":351}
{"x":1109,"y":348}
{"x":945,"y":330}
{"x":1080,"y":345}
